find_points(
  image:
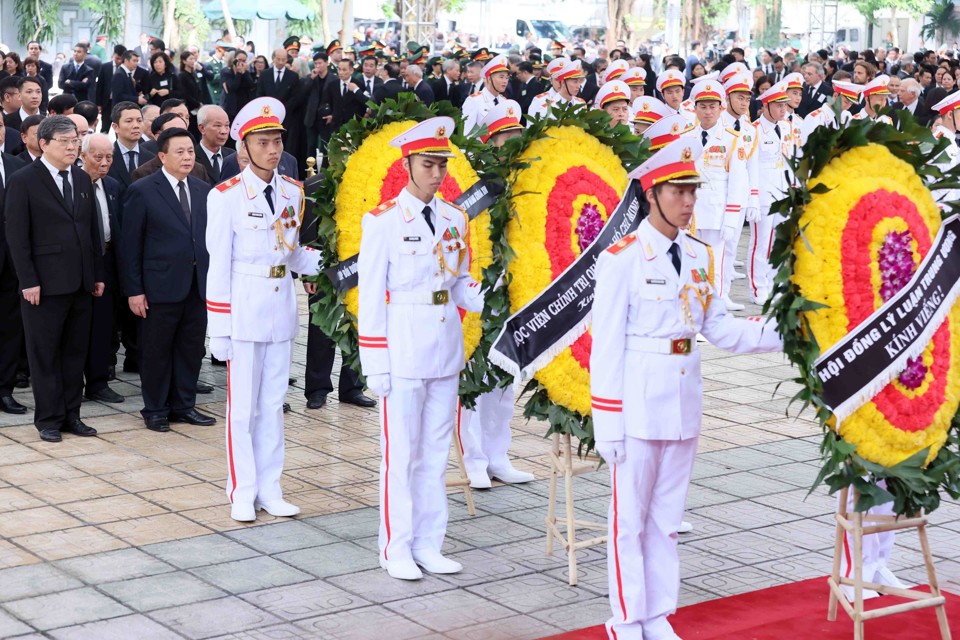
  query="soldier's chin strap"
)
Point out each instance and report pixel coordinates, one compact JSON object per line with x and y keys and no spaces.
{"x":656,"y":199}
{"x":250,"y":156}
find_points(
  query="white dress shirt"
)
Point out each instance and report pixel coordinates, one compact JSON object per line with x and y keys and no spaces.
{"x":174,"y":184}
{"x":101,"y":195}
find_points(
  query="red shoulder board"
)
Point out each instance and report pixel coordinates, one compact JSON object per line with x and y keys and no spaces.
{"x":625,"y":242}
{"x":452,"y":204}
{"x":383,"y":207}
{"x":540,"y":95}
{"x":226,"y":184}
{"x":289,"y":179}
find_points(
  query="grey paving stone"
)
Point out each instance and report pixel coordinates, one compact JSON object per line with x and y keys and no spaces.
{"x":358,"y":523}
{"x":214,"y":618}
{"x":746,"y":515}
{"x":737,"y":581}
{"x":532,"y":554}
{"x":124,"y":628}
{"x":34,"y":580}
{"x":795,"y":568}
{"x":200,"y":551}
{"x":586,"y":613}
{"x":332,"y":559}
{"x":379,"y":588}
{"x":746,"y":485}
{"x":161,"y":591}
{"x":111,"y":566}
{"x":276,"y":632}
{"x":65,"y":609}
{"x":530,"y":593}
{"x":10,"y":626}
{"x":695,"y":562}
{"x":282,"y":536}
{"x":796,"y":449}
{"x":513,"y":628}
{"x":812,"y":534}
{"x":591,"y":576}
{"x":815,"y":506}
{"x":702,"y":496}
{"x":799,"y":474}
{"x":363,"y":624}
{"x":506,"y":498}
{"x":740,"y":458}
{"x":487,"y":531}
{"x":252,"y":574}
{"x":306,"y":600}
{"x":746,"y":548}
{"x":446,"y":611}
{"x":482,"y":566}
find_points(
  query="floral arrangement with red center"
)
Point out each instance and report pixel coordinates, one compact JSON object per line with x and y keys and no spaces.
{"x":896,"y":268}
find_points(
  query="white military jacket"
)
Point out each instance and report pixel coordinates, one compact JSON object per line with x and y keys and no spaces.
{"x":411,"y":283}
{"x":949,"y":159}
{"x":476,"y":107}
{"x":774,"y":171}
{"x":635,"y":390}
{"x":750,"y":143}
{"x":248,"y":244}
{"x":725,"y":191}
{"x":541,"y":104}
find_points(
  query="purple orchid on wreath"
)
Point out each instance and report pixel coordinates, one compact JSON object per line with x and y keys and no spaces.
{"x":589,"y":225}
{"x":895,"y":260}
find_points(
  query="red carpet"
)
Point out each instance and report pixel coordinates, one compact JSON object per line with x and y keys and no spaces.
{"x":795,"y":611}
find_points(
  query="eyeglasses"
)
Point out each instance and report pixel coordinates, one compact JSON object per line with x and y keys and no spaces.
{"x":69,"y":142}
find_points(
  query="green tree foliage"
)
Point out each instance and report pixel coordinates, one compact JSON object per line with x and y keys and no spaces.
{"x":940,"y":21}
{"x":38,"y":19}
{"x":109,"y":17}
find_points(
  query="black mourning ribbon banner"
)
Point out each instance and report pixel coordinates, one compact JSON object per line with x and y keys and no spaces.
{"x":475,"y":200}
{"x":860,"y":365}
{"x":552,"y":321}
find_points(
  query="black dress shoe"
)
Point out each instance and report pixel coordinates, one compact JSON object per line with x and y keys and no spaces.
{"x":9,"y":405}
{"x":204,"y":388}
{"x":23,"y":381}
{"x":193,"y":417}
{"x":111,"y":374}
{"x":131,"y":366}
{"x":50,"y":435}
{"x":77,"y":428}
{"x":217,"y":363}
{"x":286,"y":407}
{"x":105,"y":395}
{"x":358,"y":399}
{"x":157,"y":423}
{"x":316,"y":400}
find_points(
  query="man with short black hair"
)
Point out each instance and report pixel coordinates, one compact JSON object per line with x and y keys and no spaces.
{"x":45,"y":69}
{"x":31,"y":96}
{"x":103,"y":95}
{"x":126,"y":85}
{"x":28,"y":133}
{"x":128,"y":153}
{"x":11,"y":325}
{"x":90,"y":113}
{"x":391,"y":87}
{"x":62,"y":105}
{"x":76,"y":76}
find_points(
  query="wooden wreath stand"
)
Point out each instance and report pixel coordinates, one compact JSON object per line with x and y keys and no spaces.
{"x":460,"y":479}
{"x":561,"y":464}
{"x":857,"y":525}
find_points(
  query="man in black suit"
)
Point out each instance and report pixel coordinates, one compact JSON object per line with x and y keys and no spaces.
{"x":344,"y":97}
{"x":163,"y":269}
{"x":97,"y":154}
{"x":445,"y":86}
{"x":318,"y":132}
{"x":126,"y":84}
{"x":418,"y":86}
{"x":214,"y":128}
{"x":473,"y":83}
{"x":816,"y":92}
{"x":45,"y":69}
{"x":278,"y":81}
{"x":11,"y":326}
{"x":391,"y":87}
{"x":53,"y":239}
{"x":76,"y":76}
{"x":909,"y":100}
{"x":368,"y":77}
{"x":127,"y":152}
{"x":529,"y":86}
{"x":103,"y":96}
{"x":31,"y":141}
{"x":9,"y":99}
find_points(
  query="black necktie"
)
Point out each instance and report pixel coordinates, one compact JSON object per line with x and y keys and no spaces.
{"x":343,"y":89}
{"x":67,"y":190}
{"x":216,"y":166}
{"x":674,"y":252}
{"x":131,"y":162}
{"x":426,"y":216}
{"x":184,"y":202}
{"x":369,"y":87}
{"x":703,"y":138}
{"x":496,"y":100}
{"x":776,"y":129}
{"x":3,"y":189}
{"x":736,"y":124}
{"x":268,"y":194}
{"x":279,"y":75}
{"x":103,"y":232}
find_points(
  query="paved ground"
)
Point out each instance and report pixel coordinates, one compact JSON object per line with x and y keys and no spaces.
{"x":128,"y":535}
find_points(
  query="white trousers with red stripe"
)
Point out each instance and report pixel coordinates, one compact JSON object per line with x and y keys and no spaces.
{"x":649,"y":490}
{"x":876,"y":546}
{"x":257,"y":380}
{"x":416,"y":422}
{"x":760,"y":272}
{"x":714,"y":238}
{"x":730,"y":243}
{"x":485,"y":433}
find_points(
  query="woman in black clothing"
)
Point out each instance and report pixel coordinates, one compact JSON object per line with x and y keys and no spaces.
{"x":12,"y":65}
{"x":259,"y":65}
{"x":190,"y":88}
{"x":161,"y":83}
{"x":239,"y":87}
{"x":31,"y":68}
{"x":759,"y":87}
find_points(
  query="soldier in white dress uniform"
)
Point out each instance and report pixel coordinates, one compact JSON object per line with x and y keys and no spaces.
{"x":670,"y":86}
{"x":849,"y":96}
{"x":414,"y":273}
{"x":724,"y":192}
{"x":655,"y":291}
{"x":614,"y":98}
{"x":875,"y":97}
{"x":496,"y":76}
{"x":569,"y":80}
{"x":648,"y":110}
{"x":947,"y":108}
{"x":636,"y":79}
{"x":614,"y":71}
{"x":795,"y":97}
{"x":484,"y":433}
{"x":253,"y":230}
{"x":541,"y":101}
{"x":772,"y":131}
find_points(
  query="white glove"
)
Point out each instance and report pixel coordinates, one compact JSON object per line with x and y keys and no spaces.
{"x":727,"y":232}
{"x":752,"y":214}
{"x":613,"y":451}
{"x":380,"y":384}
{"x":221,"y":348}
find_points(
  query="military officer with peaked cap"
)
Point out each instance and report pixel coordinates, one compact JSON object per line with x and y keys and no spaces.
{"x":414,"y":273}
{"x":496,"y":76}
{"x":253,"y":233}
{"x":655,"y":290}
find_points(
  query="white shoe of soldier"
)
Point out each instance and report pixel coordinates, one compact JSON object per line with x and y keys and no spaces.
{"x":886,"y":577}
{"x":738,"y":276}
{"x":868,"y":594}
{"x":434,"y":562}
{"x":731,"y":305}
{"x":659,"y":629}
{"x":402,"y":569}
{"x":243,"y":512}
{"x":478,"y":480}
{"x":279,"y":508}
{"x":509,"y":475}
{"x":738,"y":263}
{"x":685,"y":527}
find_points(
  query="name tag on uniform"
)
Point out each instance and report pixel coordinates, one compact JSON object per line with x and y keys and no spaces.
{"x":411,"y":238}
{"x":656,"y":281}
{"x":255,"y":214}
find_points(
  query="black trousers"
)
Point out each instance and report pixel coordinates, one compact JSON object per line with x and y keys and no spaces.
{"x":321,"y":351}
{"x":57,"y":332}
{"x":11,"y":327}
{"x":171,"y":352}
{"x":101,"y":355}
{"x":128,"y":330}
